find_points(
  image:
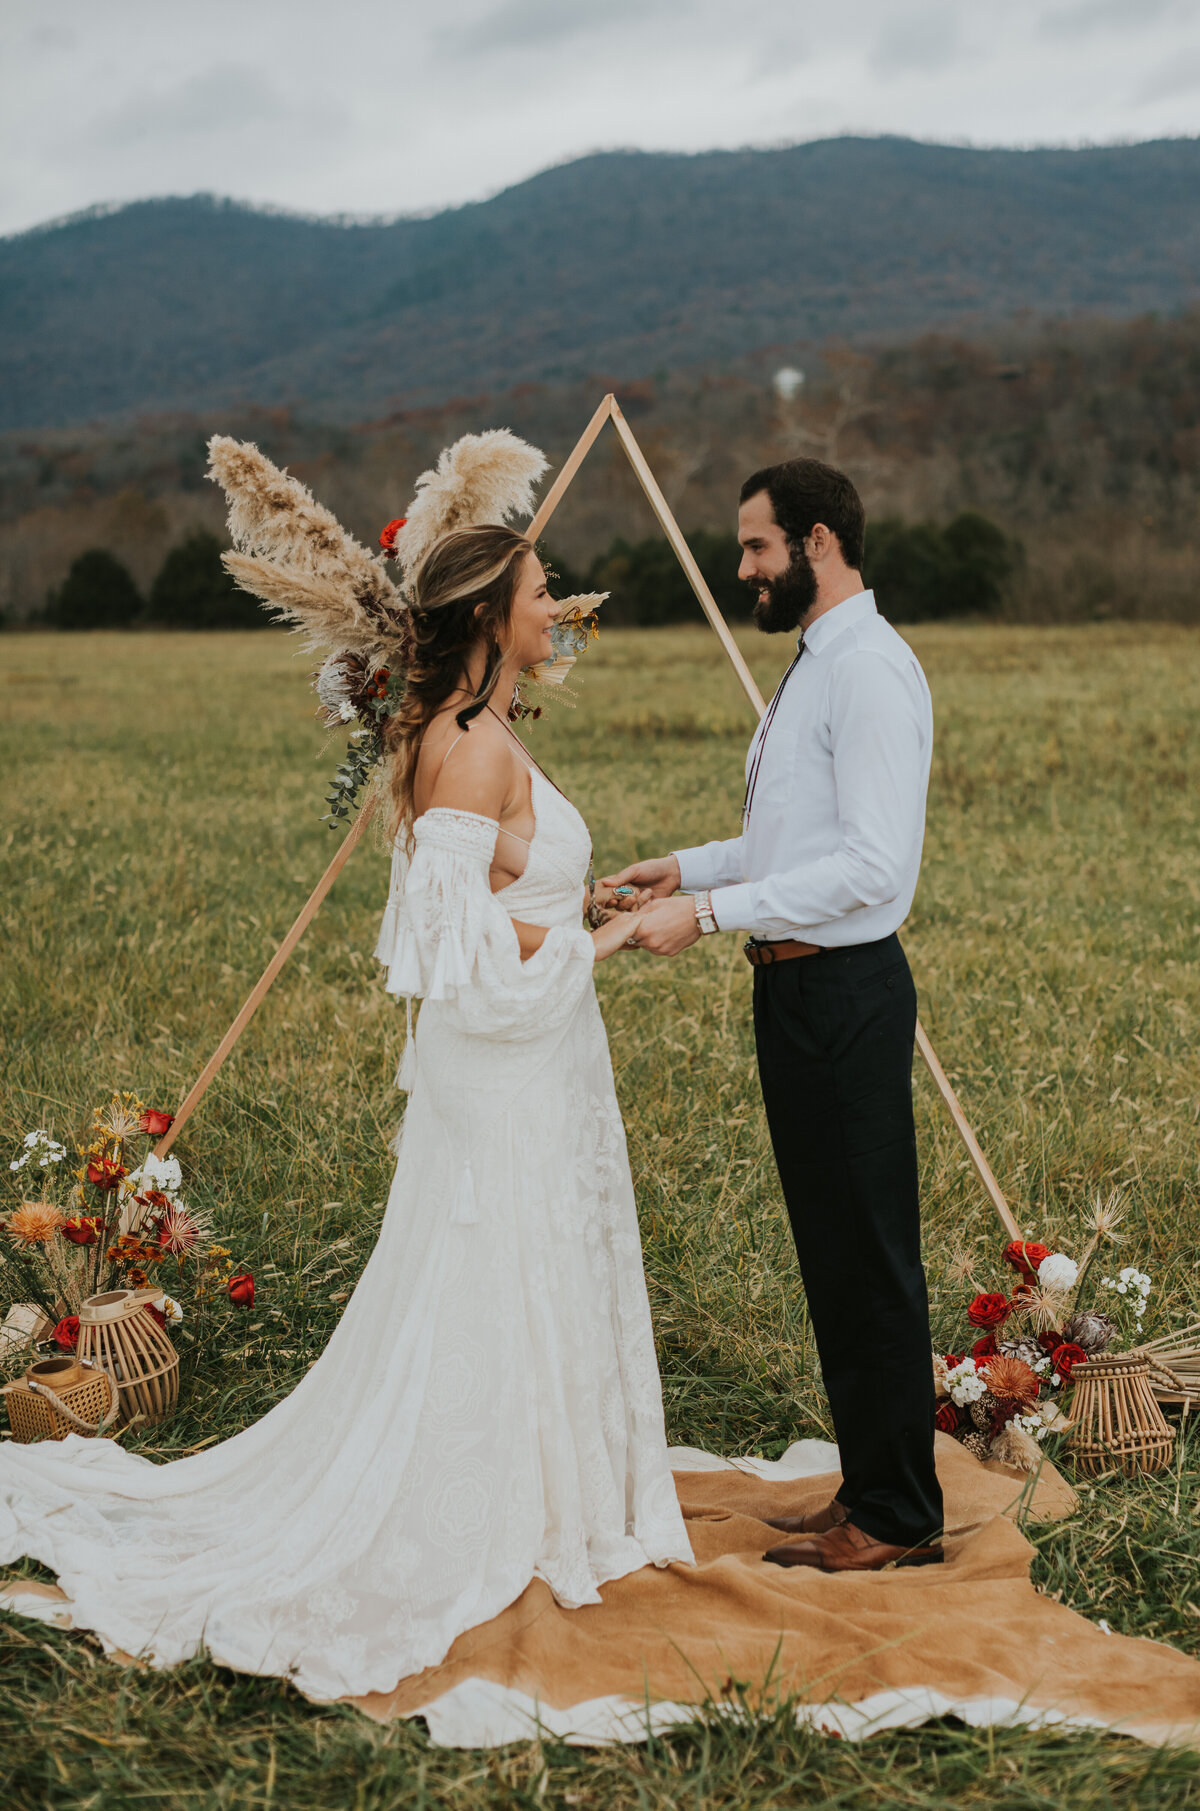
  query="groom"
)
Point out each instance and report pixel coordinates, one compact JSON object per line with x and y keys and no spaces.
{"x":822,"y":878}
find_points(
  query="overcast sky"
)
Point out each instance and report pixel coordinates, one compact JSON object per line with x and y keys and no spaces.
{"x":389,"y":106}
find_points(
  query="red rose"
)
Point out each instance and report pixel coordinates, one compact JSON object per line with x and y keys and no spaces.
{"x":1025,"y":1257}
{"x":103,"y":1172}
{"x":154,"y":1124}
{"x":66,"y":1334}
{"x":156,"y":1314}
{"x":81,"y":1229}
{"x":948,"y":1417}
{"x":1066,"y":1357}
{"x":989,"y":1311}
{"x":387,"y":539}
{"x":241,"y":1290}
{"x":950,"y":1359}
{"x":984,"y":1348}
{"x":1050,"y":1342}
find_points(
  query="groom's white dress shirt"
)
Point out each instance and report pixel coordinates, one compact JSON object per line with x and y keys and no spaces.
{"x":831,"y":846}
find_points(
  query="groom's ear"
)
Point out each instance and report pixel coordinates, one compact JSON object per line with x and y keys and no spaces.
{"x":820,"y":542}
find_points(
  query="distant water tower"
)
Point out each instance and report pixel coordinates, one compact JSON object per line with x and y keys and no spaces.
{"x":787,"y":383}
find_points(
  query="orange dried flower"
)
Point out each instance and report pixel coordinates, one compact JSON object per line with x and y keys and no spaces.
{"x":1010,"y":1380}
{"x":34,"y":1223}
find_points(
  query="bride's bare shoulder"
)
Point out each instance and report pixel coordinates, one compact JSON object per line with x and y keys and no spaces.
{"x":467,"y":769}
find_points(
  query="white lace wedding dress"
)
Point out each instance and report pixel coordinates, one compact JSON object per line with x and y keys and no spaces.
{"x":488,"y":1410}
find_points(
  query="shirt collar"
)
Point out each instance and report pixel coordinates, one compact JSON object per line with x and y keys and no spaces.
{"x":832,"y":622}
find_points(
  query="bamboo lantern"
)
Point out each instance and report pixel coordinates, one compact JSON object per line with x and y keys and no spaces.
{"x":1115,"y":1419}
{"x":115,"y":1331}
{"x":60,"y":1396}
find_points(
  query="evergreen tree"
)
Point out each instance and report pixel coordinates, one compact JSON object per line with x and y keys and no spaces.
{"x":920,"y":573}
{"x":97,"y":593}
{"x":648,"y":584}
{"x":194,"y":591}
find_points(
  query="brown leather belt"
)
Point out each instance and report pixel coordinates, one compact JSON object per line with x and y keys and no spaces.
{"x":760,"y":953}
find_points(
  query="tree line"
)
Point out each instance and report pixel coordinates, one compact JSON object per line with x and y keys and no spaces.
{"x":191,"y":590}
{"x":920,"y":573}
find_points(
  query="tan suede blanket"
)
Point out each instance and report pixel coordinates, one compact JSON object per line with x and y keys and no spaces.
{"x":973,"y":1630}
{"x":970,"y":1637}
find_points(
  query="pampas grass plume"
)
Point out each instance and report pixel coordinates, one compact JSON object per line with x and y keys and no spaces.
{"x":481,"y":478}
{"x":293,"y":554}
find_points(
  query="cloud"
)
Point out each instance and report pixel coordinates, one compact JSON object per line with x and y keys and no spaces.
{"x":530,"y":24}
{"x":1179,"y":75}
{"x":1088,"y":17}
{"x":215,"y":100}
{"x":919,"y":41}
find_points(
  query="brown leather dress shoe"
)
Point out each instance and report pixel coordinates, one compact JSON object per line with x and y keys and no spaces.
{"x":847,"y":1549}
{"x":817,"y":1521}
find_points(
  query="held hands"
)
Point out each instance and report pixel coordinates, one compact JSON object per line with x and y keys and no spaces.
{"x":659,"y":876}
{"x":608,"y":896}
{"x":664,"y":925}
{"x":616,"y":932}
{"x":667,"y":926}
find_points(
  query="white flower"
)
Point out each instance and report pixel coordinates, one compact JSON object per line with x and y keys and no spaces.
{"x":964,"y":1383}
{"x":346,"y":711}
{"x":1033,"y":1425}
{"x":39,"y":1144}
{"x":166,"y":1304}
{"x":162,"y":1173}
{"x":1058,"y":1271}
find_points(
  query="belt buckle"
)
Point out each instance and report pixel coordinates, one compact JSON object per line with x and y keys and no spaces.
{"x":755,"y":949}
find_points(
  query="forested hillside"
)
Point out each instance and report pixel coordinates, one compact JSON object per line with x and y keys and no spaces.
{"x":622,"y":264}
{"x":1081,"y":440}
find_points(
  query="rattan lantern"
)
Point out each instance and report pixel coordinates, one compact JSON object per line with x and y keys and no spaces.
{"x":61,"y":1396}
{"x":116,"y":1332}
{"x":1115,"y":1419}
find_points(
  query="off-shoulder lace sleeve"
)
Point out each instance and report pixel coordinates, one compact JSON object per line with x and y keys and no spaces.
{"x":445,"y":936}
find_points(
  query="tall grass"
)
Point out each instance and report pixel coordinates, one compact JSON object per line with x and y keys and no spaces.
{"x":159,"y":832}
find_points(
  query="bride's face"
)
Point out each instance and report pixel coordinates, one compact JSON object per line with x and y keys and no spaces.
{"x":534,"y":613}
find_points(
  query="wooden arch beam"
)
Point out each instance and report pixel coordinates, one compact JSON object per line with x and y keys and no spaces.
{"x":608,"y":410}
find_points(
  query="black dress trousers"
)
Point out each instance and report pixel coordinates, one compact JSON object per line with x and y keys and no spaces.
{"x":835,"y":1035}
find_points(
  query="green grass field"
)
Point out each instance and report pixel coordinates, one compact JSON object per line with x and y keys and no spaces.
{"x":160,"y":831}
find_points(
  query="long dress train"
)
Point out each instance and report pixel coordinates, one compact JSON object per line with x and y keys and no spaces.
{"x":488,"y":1409}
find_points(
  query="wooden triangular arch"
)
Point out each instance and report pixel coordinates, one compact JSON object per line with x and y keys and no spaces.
{"x":609,"y":410}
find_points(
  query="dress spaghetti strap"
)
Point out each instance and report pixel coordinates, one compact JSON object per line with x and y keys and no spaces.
{"x":501,"y":829}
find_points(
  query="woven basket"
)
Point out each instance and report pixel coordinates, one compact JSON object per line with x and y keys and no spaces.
{"x":61,"y":1396}
{"x":1115,"y":1419}
{"x":116,"y":1333}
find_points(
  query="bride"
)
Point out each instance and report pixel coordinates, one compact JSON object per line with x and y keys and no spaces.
{"x":488,"y":1410}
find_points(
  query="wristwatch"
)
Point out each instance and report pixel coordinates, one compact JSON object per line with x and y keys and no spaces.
{"x":705,"y":917}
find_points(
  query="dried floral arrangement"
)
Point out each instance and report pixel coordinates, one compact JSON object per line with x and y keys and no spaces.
{"x":1003,"y":1396}
{"x":113,"y":1222}
{"x":294,"y":556}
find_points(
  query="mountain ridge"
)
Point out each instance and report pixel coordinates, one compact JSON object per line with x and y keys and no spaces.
{"x":621,"y":261}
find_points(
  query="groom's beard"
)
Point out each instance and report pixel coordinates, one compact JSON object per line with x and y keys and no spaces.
{"x":789,"y":598}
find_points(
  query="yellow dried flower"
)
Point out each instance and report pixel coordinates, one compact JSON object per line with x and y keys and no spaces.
{"x":120,"y":1119}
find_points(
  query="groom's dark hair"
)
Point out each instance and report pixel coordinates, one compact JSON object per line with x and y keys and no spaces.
{"x":804,"y":492}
